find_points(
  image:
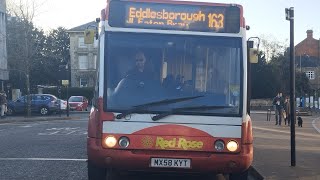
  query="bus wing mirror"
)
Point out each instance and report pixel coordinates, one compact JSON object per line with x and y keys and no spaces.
{"x":89,"y":35}
{"x":253,"y":55}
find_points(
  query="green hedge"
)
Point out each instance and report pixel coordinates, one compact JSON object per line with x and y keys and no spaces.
{"x":74,"y":91}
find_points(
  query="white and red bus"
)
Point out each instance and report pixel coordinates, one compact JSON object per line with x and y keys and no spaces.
{"x":171,"y":92}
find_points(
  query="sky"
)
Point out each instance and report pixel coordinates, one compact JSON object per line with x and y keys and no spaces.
{"x":265,"y":17}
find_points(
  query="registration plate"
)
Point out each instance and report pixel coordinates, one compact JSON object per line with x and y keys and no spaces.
{"x":170,"y":163}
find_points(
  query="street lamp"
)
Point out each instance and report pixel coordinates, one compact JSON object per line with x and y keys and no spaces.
{"x":67,"y":69}
{"x":290,"y":17}
{"x":65,"y":81}
{"x":8,"y":89}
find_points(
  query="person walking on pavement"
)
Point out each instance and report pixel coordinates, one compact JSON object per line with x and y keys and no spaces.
{"x":279,"y":103}
{"x":287,"y":111}
{"x":3,"y":103}
{"x":274,"y":104}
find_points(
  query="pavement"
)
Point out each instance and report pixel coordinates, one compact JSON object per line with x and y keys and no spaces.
{"x":272,"y":149}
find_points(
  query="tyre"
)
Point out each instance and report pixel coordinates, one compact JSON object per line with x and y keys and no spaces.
{"x":99,"y":173}
{"x":44,"y":111}
{"x":239,"y":176}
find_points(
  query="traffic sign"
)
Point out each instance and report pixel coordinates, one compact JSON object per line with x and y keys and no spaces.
{"x":65,"y":82}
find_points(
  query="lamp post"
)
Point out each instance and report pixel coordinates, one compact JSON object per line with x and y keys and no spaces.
{"x":8,"y":89}
{"x":67,"y":68}
{"x":290,"y":17}
{"x":64,"y":80}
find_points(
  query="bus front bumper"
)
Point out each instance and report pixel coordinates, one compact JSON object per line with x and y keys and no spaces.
{"x":140,"y":160}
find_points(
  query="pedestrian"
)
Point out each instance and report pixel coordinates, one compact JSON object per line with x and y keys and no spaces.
{"x":274,"y":104}
{"x":279,"y":103}
{"x":3,"y":103}
{"x":287,"y":111}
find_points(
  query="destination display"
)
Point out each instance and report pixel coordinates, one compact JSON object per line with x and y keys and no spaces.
{"x":174,"y":17}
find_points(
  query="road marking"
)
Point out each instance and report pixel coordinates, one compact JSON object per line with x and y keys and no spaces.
{"x":64,"y":131}
{"x":40,"y":159}
{"x":44,"y":121}
{"x":54,"y":133}
{"x":27,"y":126}
{"x":287,"y":132}
{"x":314,"y":124}
{"x":71,"y":132}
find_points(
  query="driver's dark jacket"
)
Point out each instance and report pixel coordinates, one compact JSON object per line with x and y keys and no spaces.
{"x":140,"y":76}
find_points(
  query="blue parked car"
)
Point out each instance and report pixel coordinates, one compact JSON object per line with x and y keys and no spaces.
{"x":40,"y":103}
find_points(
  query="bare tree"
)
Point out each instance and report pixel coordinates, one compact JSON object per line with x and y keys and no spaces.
{"x":24,"y":11}
{"x":271,"y":46}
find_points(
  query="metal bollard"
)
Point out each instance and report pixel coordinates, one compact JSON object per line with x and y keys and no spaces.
{"x":268,"y":114}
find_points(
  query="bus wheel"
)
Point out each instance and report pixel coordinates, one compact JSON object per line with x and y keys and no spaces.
{"x":95,"y":172}
{"x":239,"y":176}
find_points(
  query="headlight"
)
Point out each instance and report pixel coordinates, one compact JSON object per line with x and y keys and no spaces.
{"x":219,"y":145}
{"x":124,"y":142}
{"x":232,"y":146}
{"x":110,"y":141}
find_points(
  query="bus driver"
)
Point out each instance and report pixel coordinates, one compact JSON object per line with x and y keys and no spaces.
{"x":141,"y":71}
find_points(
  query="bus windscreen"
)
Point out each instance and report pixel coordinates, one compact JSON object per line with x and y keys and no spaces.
{"x":146,"y":15}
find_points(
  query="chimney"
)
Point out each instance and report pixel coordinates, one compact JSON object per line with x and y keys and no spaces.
{"x":309,"y":34}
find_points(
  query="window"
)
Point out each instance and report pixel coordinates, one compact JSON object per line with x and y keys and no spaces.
{"x":310,"y":74}
{"x":95,"y":43}
{"x":94,"y":64}
{"x":22,"y":99}
{"x":75,"y":99}
{"x":36,"y":98}
{"x":83,"y":62}
{"x":207,"y":69}
{"x":81,"y":43}
{"x":83,"y":82}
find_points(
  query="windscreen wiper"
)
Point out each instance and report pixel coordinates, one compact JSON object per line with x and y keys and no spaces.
{"x":201,"y":108}
{"x":156,"y":103}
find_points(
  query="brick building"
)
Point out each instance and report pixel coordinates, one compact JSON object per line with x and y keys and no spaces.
{"x":307,"y":55}
{"x":4,"y":74}
{"x":83,"y":57}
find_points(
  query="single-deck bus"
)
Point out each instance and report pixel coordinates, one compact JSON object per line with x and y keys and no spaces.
{"x":172,"y":90}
